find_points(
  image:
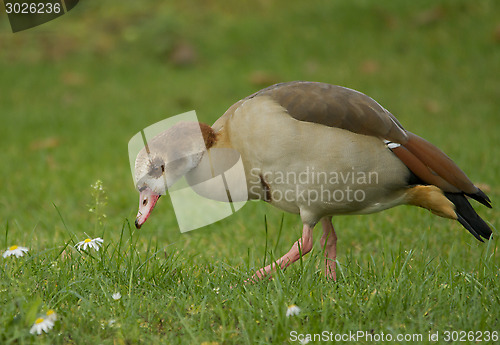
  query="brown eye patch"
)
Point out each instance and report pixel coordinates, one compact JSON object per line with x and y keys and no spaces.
{"x":156,"y":167}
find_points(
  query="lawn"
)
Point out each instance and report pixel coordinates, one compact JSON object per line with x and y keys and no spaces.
{"x":75,"y":90}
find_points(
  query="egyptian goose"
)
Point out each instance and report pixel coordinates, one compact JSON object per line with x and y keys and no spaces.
{"x":338,"y":140}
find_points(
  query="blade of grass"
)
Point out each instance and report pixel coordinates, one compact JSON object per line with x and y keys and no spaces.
{"x":6,"y":233}
{"x":71,"y":234}
{"x":265,"y":248}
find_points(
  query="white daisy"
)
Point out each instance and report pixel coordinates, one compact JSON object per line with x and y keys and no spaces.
{"x":42,"y":324}
{"x":15,"y":250}
{"x":51,"y":315}
{"x":304,"y":341}
{"x":92,"y":243}
{"x":292,"y":310}
{"x":116,"y":296}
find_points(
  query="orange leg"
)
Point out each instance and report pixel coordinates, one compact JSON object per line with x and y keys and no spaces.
{"x":301,"y":247}
{"x":329,"y":245}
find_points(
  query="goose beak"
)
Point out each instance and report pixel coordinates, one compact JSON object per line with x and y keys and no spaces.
{"x":147,"y":201}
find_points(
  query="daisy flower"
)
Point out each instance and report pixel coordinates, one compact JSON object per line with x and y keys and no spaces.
{"x":51,"y":315}
{"x":116,"y":296}
{"x":42,"y":324}
{"x":15,"y":250}
{"x":92,"y":243}
{"x":292,"y":310}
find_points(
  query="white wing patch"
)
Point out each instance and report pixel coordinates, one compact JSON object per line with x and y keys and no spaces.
{"x":391,"y":145}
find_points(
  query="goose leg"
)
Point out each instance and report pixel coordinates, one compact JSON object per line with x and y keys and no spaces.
{"x":329,"y":245}
{"x":301,"y":247}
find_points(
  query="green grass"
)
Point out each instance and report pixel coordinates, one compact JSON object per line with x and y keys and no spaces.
{"x":74,"y":91}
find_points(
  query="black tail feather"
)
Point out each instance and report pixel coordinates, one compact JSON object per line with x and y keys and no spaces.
{"x":468,"y":227}
{"x":468,"y":217}
{"x":481,"y":197}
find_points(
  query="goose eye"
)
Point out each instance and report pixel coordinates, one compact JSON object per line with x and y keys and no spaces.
{"x":157,"y":170}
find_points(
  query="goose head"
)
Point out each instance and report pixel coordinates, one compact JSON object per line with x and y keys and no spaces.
{"x":165,"y":159}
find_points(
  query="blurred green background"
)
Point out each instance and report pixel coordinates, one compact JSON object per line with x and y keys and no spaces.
{"x":75,"y":90}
